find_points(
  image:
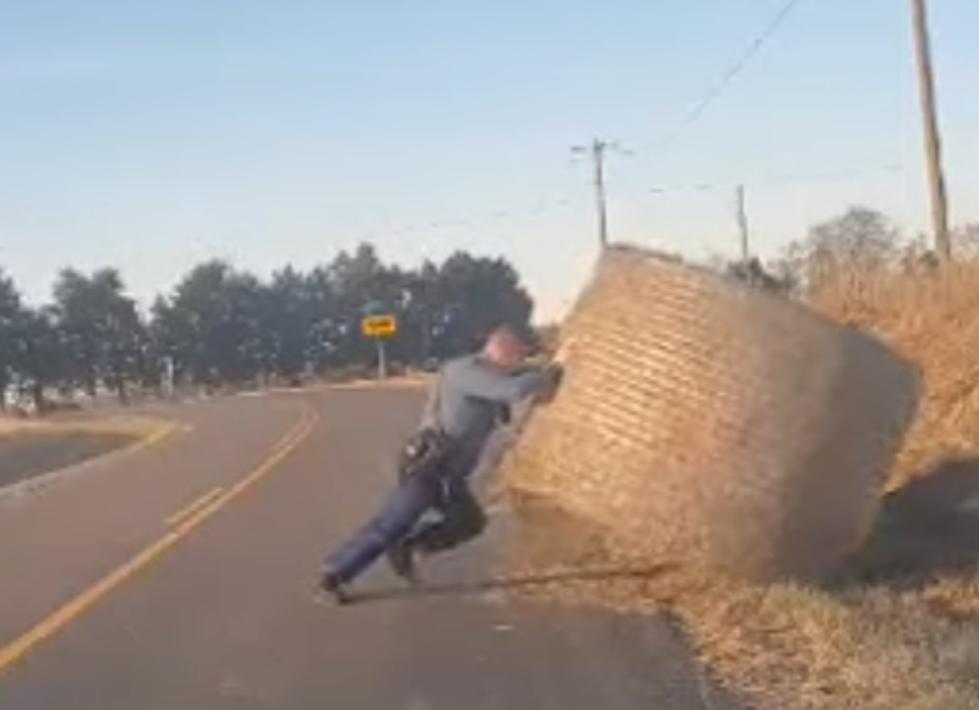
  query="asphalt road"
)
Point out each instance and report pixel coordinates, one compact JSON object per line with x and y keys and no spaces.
{"x":117,"y":592}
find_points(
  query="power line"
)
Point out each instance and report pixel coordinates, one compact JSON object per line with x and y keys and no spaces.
{"x":692,"y":116}
{"x":779,"y":180}
{"x":475,"y":222}
{"x":714,"y":92}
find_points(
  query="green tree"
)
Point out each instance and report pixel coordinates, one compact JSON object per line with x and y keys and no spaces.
{"x":421,"y":306}
{"x":475,"y":294}
{"x":75,"y":314}
{"x":169,"y":338}
{"x":42,"y":353}
{"x":360,"y":284}
{"x":288,"y":316}
{"x":211,"y":325}
{"x":326,"y":331}
{"x":124,"y":348}
{"x":442,"y":310}
{"x":101,"y":326}
{"x":10,"y":317}
{"x":220,"y":325}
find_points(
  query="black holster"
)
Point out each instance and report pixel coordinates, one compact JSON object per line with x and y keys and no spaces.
{"x":427,"y":453}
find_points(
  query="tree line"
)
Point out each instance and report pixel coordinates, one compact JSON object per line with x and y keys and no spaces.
{"x":843,"y":250}
{"x":222,"y":326}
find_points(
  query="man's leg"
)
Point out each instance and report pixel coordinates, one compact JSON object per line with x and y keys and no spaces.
{"x":462,"y":519}
{"x":404,"y":507}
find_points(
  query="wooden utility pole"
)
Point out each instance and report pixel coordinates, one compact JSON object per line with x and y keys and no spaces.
{"x":743,"y":225}
{"x":598,"y":158}
{"x":933,"y":146}
{"x":597,"y":151}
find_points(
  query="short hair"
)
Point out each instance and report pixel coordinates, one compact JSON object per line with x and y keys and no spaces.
{"x":508,"y":335}
{"x":503,"y":330}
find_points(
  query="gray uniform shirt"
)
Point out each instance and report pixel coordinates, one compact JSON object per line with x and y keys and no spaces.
{"x":466,"y":400}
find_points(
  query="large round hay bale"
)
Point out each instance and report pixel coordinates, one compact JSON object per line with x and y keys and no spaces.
{"x":703,"y":422}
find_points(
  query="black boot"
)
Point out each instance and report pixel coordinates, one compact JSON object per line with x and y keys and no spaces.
{"x":332,"y":586}
{"x":401,"y":557}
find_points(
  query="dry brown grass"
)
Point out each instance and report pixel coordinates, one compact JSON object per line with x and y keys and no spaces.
{"x":794,"y":647}
{"x":891,"y":642}
{"x":118,"y":424}
{"x":931,"y":317}
{"x":901,"y":628}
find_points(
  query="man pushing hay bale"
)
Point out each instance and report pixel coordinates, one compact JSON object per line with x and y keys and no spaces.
{"x":710,"y":425}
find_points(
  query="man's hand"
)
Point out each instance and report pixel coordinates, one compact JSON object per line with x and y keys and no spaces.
{"x":554,"y":373}
{"x":564,"y":351}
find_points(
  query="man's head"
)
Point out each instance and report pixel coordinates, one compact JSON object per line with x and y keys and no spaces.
{"x":505,"y":348}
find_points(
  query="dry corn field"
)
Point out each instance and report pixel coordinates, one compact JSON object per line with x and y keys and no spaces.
{"x":898,"y":625}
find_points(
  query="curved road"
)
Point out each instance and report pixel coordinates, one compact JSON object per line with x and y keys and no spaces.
{"x":180,"y":576}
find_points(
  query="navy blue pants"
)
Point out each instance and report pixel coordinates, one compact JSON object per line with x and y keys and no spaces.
{"x":460,"y":518}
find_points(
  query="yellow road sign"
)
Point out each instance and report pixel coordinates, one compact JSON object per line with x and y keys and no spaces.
{"x":380,"y":326}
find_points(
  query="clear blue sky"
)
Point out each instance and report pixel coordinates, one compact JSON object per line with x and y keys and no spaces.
{"x":152,"y":135}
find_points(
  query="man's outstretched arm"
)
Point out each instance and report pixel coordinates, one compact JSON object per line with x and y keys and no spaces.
{"x":483,"y":383}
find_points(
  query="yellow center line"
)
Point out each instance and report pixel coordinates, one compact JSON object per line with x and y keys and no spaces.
{"x":154,"y":437}
{"x":198,"y":502}
{"x":73,"y":609}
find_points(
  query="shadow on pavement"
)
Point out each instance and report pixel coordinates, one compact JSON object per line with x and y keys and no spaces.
{"x":508,"y":583}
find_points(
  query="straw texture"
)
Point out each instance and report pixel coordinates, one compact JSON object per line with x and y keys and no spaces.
{"x":708,"y":424}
